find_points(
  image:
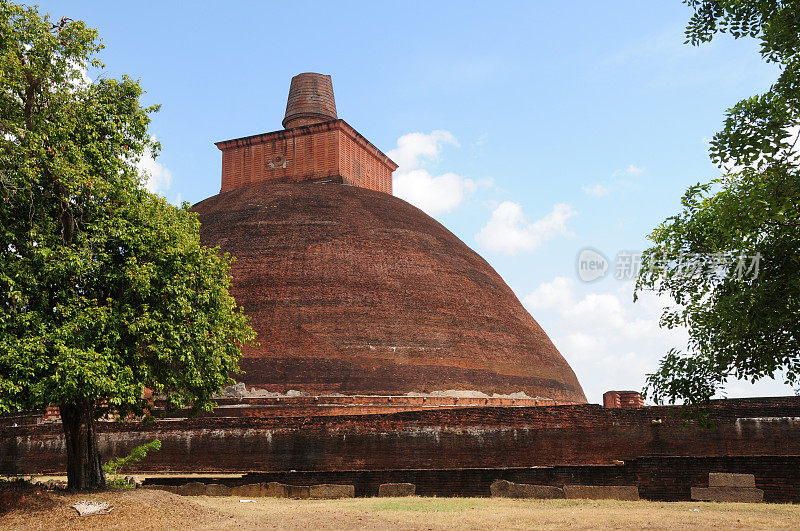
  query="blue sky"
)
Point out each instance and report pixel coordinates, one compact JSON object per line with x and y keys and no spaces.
{"x":531,"y":130}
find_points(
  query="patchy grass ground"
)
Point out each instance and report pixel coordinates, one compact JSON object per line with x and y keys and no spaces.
{"x":151,"y":509}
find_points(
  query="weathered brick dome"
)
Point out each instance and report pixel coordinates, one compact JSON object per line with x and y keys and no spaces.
{"x":355,"y":291}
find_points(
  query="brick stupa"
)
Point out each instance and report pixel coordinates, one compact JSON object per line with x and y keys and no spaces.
{"x":353,"y":291}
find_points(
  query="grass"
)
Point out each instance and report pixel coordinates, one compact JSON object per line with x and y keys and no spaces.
{"x":495,"y":513}
{"x":423,"y":505}
{"x":151,"y":509}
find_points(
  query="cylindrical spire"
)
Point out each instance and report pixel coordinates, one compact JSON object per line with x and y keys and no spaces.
{"x":310,"y":100}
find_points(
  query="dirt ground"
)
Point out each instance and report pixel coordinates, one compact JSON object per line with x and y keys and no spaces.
{"x":151,"y":509}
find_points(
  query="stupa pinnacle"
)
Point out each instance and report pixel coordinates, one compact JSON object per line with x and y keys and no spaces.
{"x":310,"y":100}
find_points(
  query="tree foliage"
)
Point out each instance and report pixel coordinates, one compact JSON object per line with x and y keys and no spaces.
{"x":105,"y":289}
{"x":118,"y":464}
{"x":741,"y":326}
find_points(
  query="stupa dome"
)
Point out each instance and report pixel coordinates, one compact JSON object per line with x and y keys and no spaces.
{"x":355,"y":291}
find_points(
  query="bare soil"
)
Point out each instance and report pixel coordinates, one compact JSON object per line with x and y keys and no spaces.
{"x":151,"y":509}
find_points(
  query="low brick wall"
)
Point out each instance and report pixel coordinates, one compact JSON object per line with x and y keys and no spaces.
{"x":658,"y":478}
{"x":459,"y":438}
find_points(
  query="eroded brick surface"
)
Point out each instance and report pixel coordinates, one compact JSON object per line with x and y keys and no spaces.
{"x":355,"y":291}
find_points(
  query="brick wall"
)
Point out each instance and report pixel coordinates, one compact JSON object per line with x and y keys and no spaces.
{"x":658,"y":478}
{"x":329,"y":151}
{"x":361,"y":168}
{"x":622,"y":399}
{"x":479,"y":437}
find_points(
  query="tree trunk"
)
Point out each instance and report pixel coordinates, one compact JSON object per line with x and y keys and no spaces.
{"x":84,"y":469}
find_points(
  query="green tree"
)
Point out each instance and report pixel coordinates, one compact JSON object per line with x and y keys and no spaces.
{"x":105,"y":289}
{"x":116,"y":465}
{"x":743,"y":323}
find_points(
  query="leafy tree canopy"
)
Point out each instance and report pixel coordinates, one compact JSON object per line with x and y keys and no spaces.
{"x":105,"y":289}
{"x":731,"y":258}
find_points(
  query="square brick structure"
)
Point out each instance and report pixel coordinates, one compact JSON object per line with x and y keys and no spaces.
{"x":316,"y":146}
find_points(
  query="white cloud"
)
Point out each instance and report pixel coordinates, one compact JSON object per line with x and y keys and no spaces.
{"x":435,"y":194}
{"x":601,"y":312}
{"x":633,"y":170}
{"x":617,"y":178}
{"x":609,"y":341}
{"x":509,"y":232}
{"x":598,"y":190}
{"x":159,"y":178}
{"x":412,"y":149}
{"x":556,"y":294}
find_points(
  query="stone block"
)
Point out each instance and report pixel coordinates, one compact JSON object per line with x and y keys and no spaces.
{"x":395,"y":490}
{"x":328,"y":491}
{"x":298,"y":491}
{"x":215,"y":489}
{"x":276,"y":490}
{"x":728,"y":494}
{"x":194,"y":488}
{"x":602,"y":492}
{"x":506,"y":489}
{"x":719,"y":479}
{"x":251,"y":490}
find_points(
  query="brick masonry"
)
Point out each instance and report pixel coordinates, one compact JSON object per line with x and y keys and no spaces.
{"x":354,"y":291}
{"x":330,"y":151}
{"x":657,"y":478}
{"x":315,"y":146}
{"x":623,"y":399}
{"x":576,"y":444}
{"x":310,"y":100}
